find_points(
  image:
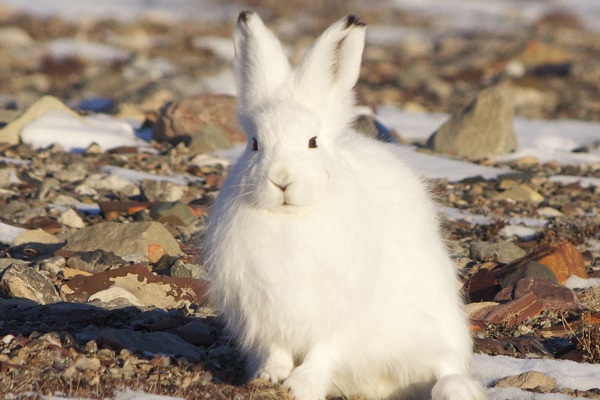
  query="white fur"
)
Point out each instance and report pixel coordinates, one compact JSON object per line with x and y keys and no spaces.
{"x":340,"y":284}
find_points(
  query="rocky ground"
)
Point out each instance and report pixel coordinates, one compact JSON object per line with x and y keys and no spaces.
{"x":101,"y":276}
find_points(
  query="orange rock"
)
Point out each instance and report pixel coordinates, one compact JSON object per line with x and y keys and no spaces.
{"x":155,"y":252}
{"x":562,"y":258}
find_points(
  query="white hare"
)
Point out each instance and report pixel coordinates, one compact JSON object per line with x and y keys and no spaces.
{"x":323,"y":248}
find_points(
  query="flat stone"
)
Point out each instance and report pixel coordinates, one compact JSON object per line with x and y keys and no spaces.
{"x":36,"y":236}
{"x":529,"y":380}
{"x":515,"y":312}
{"x":195,"y":332}
{"x":483,"y":129}
{"x":23,"y":281}
{"x":114,"y":293}
{"x":95,"y":261}
{"x":148,"y":239}
{"x":478,"y":311}
{"x":552,"y":295}
{"x":151,"y":290}
{"x":152,"y":342}
{"x":503,"y":252}
{"x":482,"y":286}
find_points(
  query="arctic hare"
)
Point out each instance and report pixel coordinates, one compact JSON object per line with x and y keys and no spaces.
{"x":323,"y":248}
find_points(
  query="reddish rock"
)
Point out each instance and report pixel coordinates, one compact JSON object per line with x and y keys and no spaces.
{"x":482,"y":286}
{"x":180,"y":120}
{"x":562,"y":258}
{"x":550,"y":294}
{"x":506,"y":294}
{"x":159,"y":290}
{"x":516,"y":311}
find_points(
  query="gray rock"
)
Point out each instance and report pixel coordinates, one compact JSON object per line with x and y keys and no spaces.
{"x":503,"y":252}
{"x":176,"y":213}
{"x":483,"y":129}
{"x":149,"y":342}
{"x":528,"y":380}
{"x":95,"y":261}
{"x":208,"y":138}
{"x":183,"y":270}
{"x":52,"y":266}
{"x":111,"y":183}
{"x":162,"y":190}
{"x":532,"y":269}
{"x":179,"y":121}
{"x":195,"y":332}
{"x":7,"y":262}
{"x":25,"y":282}
{"x":149,"y":239}
{"x":75,"y":172}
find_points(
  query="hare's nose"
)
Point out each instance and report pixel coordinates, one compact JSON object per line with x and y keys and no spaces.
{"x":282,"y":186}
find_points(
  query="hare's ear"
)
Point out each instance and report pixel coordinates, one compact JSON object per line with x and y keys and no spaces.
{"x":260,"y":64}
{"x":334,"y":60}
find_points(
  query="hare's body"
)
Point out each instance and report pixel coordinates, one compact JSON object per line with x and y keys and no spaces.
{"x":326,"y":260}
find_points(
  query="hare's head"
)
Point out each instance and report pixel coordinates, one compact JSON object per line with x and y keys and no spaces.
{"x":292,"y":116}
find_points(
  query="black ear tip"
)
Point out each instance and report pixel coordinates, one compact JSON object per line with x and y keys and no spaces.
{"x":244,"y":16}
{"x":353,"y":20}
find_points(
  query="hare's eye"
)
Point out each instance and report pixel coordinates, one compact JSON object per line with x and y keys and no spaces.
{"x":254,"y":144}
{"x":312,"y":143}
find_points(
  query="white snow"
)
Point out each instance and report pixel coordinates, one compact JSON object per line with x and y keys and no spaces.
{"x":222,"y":47}
{"x":437,"y":167}
{"x":72,"y":47}
{"x":138,"y":176}
{"x":576,"y":282}
{"x":165,"y":11}
{"x":8,"y":233}
{"x":584,"y":181}
{"x":76,"y":133}
{"x":498,"y":15}
{"x":221,"y":83}
{"x":547,"y":140}
{"x":489,"y":369}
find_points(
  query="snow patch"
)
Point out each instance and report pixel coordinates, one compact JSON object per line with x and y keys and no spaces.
{"x":576,"y":282}
{"x":75,"y":133}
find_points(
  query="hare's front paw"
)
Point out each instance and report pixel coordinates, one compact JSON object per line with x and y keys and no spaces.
{"x":302,"y":387}
{"x":457,"y":387}
{"x":278,"y":366}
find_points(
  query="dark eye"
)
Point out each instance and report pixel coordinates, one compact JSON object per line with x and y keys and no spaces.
{"x":254,"y":144}
{"x":312,"y":143}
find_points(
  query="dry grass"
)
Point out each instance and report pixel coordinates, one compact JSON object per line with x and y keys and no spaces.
{"x":587,"y":337}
